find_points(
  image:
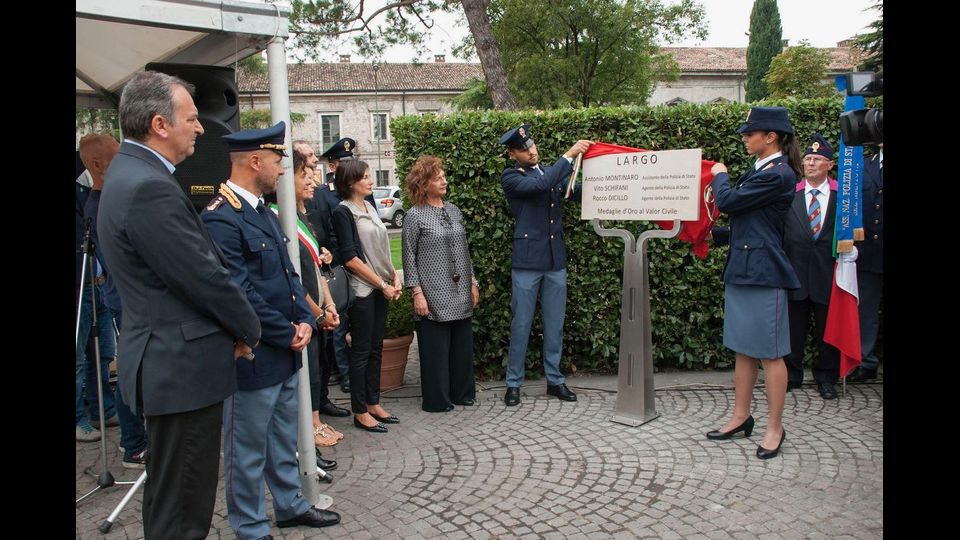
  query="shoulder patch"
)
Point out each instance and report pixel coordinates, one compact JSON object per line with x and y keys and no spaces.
{"x":230,"y":196}
{"x":216,"y":202}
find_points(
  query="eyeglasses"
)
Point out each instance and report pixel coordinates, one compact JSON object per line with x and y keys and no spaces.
{"x":814,"y":160}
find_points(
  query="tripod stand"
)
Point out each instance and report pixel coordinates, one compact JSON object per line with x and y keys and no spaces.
{"x":104,"y":479}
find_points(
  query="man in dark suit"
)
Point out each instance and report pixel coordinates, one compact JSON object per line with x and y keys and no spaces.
{"x":185,"y":321}
{"x":870,"y":268}
{"x":539,"y":267}
{"x":260,"y":420}
{"x":808,"y":243}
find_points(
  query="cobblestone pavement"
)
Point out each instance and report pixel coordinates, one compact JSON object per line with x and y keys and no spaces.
{"x":563,"y":470}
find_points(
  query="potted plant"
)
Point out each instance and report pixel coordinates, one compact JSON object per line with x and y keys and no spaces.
{"x":396,"y":342}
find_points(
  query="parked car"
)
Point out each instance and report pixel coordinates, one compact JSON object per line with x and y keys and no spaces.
{"x":389,"y":204}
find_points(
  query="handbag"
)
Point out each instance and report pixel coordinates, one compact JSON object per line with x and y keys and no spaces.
{"x":339,"y":283}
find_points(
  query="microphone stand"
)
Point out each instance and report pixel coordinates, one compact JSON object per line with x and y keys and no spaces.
{"x":104,"y":479}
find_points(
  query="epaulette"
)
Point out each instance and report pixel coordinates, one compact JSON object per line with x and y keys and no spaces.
{"x":231,"y":197}
{"x":521,"y":170}
{"x":216,"y":202}
{"x":768,"y":166}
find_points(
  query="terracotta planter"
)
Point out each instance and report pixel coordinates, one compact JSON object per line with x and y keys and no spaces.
{"x":394,"y":362}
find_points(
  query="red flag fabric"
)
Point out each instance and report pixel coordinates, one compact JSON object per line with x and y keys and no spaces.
{"x":843,"y":319}
{"x":695,"y":232}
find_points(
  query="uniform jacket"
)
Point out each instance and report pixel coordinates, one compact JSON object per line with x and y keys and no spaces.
{"x":536,"y":201}
{"x":812,"y":260}
{"x":757,"y":205}
{"x":181,"y":311}
{"x":870,"y":256}
{"x":256,"y":253}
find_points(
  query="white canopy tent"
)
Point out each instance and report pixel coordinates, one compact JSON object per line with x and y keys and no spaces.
{"x":117,"y":38}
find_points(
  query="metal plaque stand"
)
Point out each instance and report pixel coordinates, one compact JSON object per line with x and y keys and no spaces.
{"x":635,"y":403}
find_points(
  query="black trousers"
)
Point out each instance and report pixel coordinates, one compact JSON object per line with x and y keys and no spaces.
{"x":446,"y":363}
{"x":182,"y":471}
{"x":368,"y":321}
{"x":319,"y":353}
{"x":827,"y":367}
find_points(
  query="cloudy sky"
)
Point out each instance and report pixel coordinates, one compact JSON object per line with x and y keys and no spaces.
{"x":822,"y":22}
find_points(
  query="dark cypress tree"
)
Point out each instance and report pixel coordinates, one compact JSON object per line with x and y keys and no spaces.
{"x":766,"y":37}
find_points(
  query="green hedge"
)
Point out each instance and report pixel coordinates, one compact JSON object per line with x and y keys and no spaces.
{"x":686,"y":293}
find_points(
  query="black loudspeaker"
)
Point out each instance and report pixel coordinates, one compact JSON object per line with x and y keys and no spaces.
{"x":217,"y":101}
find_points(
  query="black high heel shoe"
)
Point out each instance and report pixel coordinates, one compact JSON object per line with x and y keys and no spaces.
{"x":375,"y":429}
{"x":763,"y":453}
{"x":746,"y":427}
{"x":386,"y":419}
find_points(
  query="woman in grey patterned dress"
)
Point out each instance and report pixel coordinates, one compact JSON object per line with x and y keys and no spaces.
{"x":438,"y":270}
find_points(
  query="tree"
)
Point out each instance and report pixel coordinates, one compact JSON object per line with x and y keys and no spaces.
{"x":590,"y":52}
{"x":799,"y":72}
{"x":475,"y":96}
{"x":315,"y":24}
{"x":253,"y":64}
{"x":872,"y":43}
{"x":260,"y":118}
{"x":98,"y":121}
{"x":766,"y":41}
{"x":489,"y":52}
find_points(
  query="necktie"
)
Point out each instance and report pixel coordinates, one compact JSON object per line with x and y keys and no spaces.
{"x":813,"y":214}
{"x":262,"y":210}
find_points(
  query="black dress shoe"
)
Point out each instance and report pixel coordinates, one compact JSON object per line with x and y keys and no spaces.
{"x":862,"y":375}
{"x":387,"y":419}
{"x":763,"y":453}
{"x":746,"y":427}
{"x":267,"y":537}
{"x":330,"y":409}
{"x":512,"y":397}
{"x":375,"y":429}
{"x":313,"y":517}
{"x":345,"y":384}
{"x":827,"y":391}
{"x":793,"y":385}
{"x":468,"y":402}
{"x":561,"y":391}
{"x":326,"y":464}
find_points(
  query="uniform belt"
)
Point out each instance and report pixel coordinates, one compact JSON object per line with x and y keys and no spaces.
{"x":101,"y":279}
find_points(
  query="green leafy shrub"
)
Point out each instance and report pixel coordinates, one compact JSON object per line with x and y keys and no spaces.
{"x":686,"y":293}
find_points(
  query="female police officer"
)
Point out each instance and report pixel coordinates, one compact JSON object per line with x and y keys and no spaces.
{"x":758,"y":272}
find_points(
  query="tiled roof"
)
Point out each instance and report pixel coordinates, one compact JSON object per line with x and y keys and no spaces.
{"x":734,"y":59}
{"x":349,"y":77}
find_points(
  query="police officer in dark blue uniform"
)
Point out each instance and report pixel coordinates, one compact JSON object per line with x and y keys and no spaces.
{"x":758,"y":273}
{"x":260,"y":420}
{"x":342,"y":149}
{"x":539,"y":265}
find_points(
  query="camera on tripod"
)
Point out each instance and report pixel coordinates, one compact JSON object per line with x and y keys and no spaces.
{"x":863,"y":126}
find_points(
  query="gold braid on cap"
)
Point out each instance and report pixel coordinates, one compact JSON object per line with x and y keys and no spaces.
{"x":230,"y":196}
{"x":271,"y":146}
